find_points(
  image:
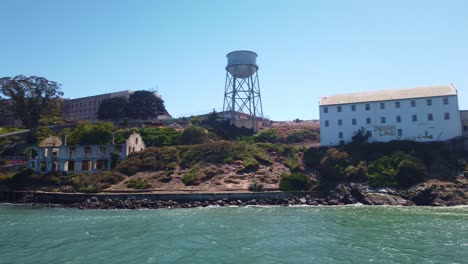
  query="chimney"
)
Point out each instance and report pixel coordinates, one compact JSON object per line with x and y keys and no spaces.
{"x":64,"y":139}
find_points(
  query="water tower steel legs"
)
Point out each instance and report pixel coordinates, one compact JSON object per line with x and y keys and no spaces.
{"x":245,"y":93}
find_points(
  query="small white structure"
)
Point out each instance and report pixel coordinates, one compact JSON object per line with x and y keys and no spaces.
{"x":419,"y":114}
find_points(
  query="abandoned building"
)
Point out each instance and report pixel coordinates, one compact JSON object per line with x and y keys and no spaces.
{"x":53,"y":155}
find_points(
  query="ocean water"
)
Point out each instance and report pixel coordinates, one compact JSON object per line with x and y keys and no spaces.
{"x":346,"y":234}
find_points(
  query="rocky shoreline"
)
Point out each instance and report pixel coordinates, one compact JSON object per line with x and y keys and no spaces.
{"x":431,"y":193}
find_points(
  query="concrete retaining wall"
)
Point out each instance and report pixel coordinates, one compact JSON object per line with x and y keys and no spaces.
{"x":65,"y":198}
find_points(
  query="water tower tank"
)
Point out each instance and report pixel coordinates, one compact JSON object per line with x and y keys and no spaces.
{"x":242,"y":63}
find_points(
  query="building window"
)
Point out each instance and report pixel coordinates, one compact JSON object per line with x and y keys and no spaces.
{"x":413,"y":103}
{"x":383,"y":120}
{"x":326,"y":123}
{"x":136,"y":140}
{"x":367,"y":106}
{"x":445,"y":100}
{"x":340,"y":134}
{"x":397,"y":104}
{"x":353,"y":108}
{"x":429,"y":102}
{"x":414,"y":118}
{"x":87,"y":151}
{"x":354,"y":121}
{"x":102,"y":150}
{"x":339,"y":108}
{"x":368,"y":121}
{"x":398,"y":119}
{"x":430,"y":117}
{"x":465,"y":128}
{"x":325,"y":109}
{"x":400,"y":132}
{"x":382,"y":105}
{"x":447,"y":116}
{"x":340,"y":122}
{"x":71,"y":152}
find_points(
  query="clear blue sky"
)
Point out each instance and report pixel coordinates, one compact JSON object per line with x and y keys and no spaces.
{"x":306,"y":49}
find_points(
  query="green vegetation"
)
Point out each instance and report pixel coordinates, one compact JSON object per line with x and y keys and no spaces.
{"x":393,"y":164}
{"x":113,"y":108}
{"x":333,"y":165}
{"x":32,"y":98}
{"x":269,"y":135}
{"x":194,"y":135}
{"x":274,"y":136}
{"x":152,"y":136}
{"x":138,"y":184}
{"x":222,"y":152}
{"x":192,"y":176}
{"x":141,"y":104}
{"x":131,"y":165}
{"x":256,"y":187}
{"x":160,"y":136}
{"x":301,"y":136}
{"x":81,"y":182}
{"x":295,"y":182}
{"x":91,"y":134}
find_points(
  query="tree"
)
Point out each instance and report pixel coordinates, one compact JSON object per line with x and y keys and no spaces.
{"x":91,"y":134}
{"x":145,"y":105}
{"x":31,"y":97}
{"x":113,"y":108}
{"x":3,"y":110}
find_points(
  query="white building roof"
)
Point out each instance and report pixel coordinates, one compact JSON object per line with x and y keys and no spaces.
{"x":385,"y":95}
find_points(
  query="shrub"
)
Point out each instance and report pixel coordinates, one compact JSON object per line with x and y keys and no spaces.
{"x":83,"y":182}
{"x":256,"y":187}
{"x":138,"y":184}
{"x":130,"y":166}
{"x":301,"y":136}
{"x":397,"y":169}
{"x":87,"y":189}
{"x":411,"y":171}
{"x":161,"y":136}
{"x":194,"y":135}
{"x":334,"y":164}
{"x":294,"y":182}
{"x":221,"y":152}
{"x":20,"y":179}
{"x":269,"y":135}
{"x":250,"y":165}
{"x":357,"y":173}
{"x":160,"y":158}
{"x":192,"y":177}
{"x":313,"y":156}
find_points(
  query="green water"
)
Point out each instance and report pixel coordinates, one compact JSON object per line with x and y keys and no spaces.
{"x":235,"y":235}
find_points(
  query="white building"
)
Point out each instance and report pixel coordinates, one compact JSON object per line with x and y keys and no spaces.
{"x":420,"y":114}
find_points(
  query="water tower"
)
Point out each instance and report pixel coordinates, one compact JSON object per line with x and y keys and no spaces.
{"x":242,"y":91}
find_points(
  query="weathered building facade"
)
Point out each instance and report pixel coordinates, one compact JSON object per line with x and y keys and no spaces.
{"x":53,"y":156}
{"x":420,"y":114}
{"x":86,"y":108}
{"x":464,"y":120}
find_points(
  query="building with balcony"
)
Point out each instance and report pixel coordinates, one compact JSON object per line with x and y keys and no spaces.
{"x":54,"y":156}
